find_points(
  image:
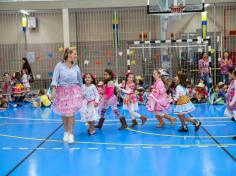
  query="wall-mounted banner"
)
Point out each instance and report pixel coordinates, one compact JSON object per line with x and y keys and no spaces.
{"x":86,"y":62}
{"x":98,"y":63}
{"x":50,"y":74}
{"x":109,"y":64}
{"x":50,"y":54}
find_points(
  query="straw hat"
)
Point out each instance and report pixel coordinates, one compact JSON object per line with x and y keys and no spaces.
{"x":201,"y":85}
{"x":220,"y":84}
{"x":138,"y":77}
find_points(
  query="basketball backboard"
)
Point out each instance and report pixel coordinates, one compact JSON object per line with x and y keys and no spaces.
{"x":161,"y":7}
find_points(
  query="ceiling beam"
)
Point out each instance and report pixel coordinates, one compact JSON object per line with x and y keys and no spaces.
{"x":59,"y":4}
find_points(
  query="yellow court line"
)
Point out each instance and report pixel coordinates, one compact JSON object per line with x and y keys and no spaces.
{"x":107,"y":120}
{"x":118,"y":144}
{"x":147,"y":133}
{"x":177,"y":136}
{"x":151,"y":123}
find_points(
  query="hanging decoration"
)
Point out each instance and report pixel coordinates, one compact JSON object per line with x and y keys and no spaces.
{"x":108,"y":53}
{"x":98,"y":63}
{"x":50,"y":55}
{"x":85,"y":51}
{"x":38,"y":58}
{"x":121,"y":62}
{"x":204,"y":24}
{"x":120,"y":53}
{"x":96,"y":53}
{"x":131,"y":52}
{"x":38,"y":76}
{"x":61,"y":49}
{"x":24,"y":23}
{"x":24,"y":27}
{"x":133,"y":62}
{"x":50,"y":74}
{"x":115,"y":26}
{"x":86,"y":62}
{"x":109,"y":64}
{"x":13,"y":61}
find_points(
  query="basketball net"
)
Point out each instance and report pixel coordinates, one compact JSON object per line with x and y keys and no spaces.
{"x":177,"y":9}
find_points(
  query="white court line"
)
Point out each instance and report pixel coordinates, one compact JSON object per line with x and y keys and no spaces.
{"x":209,"y":125}
{"x":222,"y":146}
{"x":147,"y":147}
{"x":74,"y":148}
{"x":129,"y":147}
{"x":57,"y":148}
{"x":115,"y":120}
{"x":184,"y":146}
{"x":203,"y":146}
{"x":6,"y":148}
{"x":40,"y":148}
{"x":23,"y":148}
{"x":111,"y":148}
{"x":166,"y":147}
{"x":92,"y":148}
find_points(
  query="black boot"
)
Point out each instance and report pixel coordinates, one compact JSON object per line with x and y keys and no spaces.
{"x":123,"y":123}
{"x":183,"y":129}
{"x":197,"y":125}
{"x":134,"y":123}
{"x":100,"y":123}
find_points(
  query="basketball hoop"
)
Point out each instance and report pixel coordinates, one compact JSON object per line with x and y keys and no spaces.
{"x":177,"y":9}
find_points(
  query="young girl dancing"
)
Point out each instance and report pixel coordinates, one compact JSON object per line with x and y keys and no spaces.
{"x":230,"y":111}
{"x":158,"y":100}
{"x":183,"y":103}
{"x":100,"y":88}
{"x":130,"y":101}
{"x":109,"y":100}
{"x":89,"y":110}
{"x":25,"y":80}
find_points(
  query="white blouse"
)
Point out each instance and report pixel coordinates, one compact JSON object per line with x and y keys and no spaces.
{"x":90,"y":93}
{"x":180,"y":91}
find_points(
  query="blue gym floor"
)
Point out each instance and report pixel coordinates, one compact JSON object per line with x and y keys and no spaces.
{"x":31,"y":144}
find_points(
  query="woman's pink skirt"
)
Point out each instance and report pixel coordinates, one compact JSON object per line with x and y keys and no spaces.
{"x":68,"y":100}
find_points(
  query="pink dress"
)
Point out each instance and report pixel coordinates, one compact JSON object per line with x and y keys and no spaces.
{"x":7,"y":89}
{"x":203,"y":66}
{"x":225,"y":65}
{"x":89,"y":112}
{"x":230,"y":95}
{"x":130,"y":99}
{"x":109,"y":99}
{"x":100,"y":93}
{"x":158,"y":100}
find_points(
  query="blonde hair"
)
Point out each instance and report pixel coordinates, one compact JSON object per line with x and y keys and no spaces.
{"x":68,"y":51}
{"x":158,"y":70}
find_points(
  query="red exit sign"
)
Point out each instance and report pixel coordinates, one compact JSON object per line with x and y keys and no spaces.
{"x":232,"y":32}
